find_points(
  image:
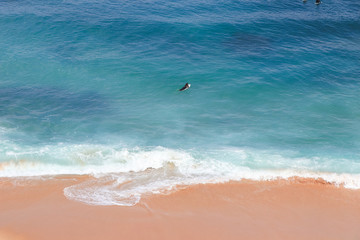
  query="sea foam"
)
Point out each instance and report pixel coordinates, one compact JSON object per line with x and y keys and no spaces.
{"x":121,"y":176}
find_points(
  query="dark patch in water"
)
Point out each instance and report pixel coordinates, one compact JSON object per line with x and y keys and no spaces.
{"x":45,"y":112}
{"x":247,"y":44}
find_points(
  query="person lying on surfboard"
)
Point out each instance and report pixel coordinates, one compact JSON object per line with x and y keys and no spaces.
{"x":186,"y":86}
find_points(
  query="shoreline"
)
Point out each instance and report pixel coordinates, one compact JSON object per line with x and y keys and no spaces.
{"x":296,"y":208}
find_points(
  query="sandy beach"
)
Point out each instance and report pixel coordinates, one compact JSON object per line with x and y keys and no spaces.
{"x":293,"y":209}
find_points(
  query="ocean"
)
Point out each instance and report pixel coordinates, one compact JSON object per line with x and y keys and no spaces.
{"x":91,"y":87}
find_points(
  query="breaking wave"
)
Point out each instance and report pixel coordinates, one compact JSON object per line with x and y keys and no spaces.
{"x":121,"y":176}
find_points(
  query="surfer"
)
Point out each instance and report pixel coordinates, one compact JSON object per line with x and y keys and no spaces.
{"x":186,"y":86}
{"x":317,"y":2}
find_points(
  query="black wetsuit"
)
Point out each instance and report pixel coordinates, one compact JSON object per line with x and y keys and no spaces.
{"x":184,"y":87}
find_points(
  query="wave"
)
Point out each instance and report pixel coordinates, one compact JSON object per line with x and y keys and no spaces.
{"x":120,"y":176}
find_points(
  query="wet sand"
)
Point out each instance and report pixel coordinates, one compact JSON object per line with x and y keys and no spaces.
{"x":293,"y":209}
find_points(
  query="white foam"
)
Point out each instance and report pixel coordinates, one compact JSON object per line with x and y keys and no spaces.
{"x":126,"y":189}
{"x":85,"y":159}
{"x":121,"y":176}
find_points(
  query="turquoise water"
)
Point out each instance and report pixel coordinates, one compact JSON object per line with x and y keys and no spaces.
{"x":91,"y":87}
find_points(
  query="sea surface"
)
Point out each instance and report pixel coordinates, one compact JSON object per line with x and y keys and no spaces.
{"x":91,"y":87}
